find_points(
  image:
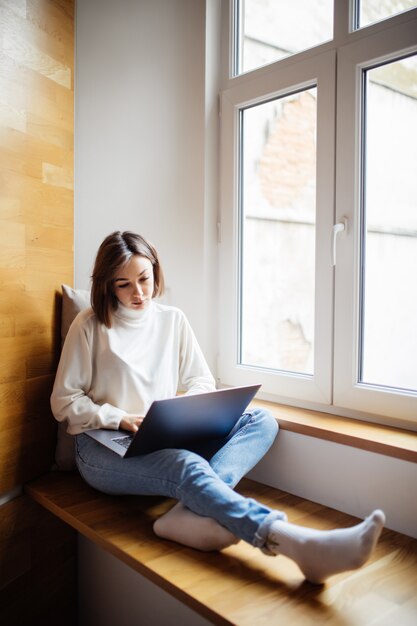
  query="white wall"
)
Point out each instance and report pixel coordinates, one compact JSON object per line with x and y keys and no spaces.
{"x":145,"y":141}
{"x":343,"y":477}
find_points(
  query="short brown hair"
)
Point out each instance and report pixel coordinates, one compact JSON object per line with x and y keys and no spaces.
{"x":116,"y":250}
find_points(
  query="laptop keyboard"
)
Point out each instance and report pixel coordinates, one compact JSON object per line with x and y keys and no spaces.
{"x":124,"y":441}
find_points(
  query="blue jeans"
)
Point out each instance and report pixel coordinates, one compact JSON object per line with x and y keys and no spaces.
{"x":205,"y":487}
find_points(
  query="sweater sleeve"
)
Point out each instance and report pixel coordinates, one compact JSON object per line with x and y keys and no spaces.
{"x":195,"y":375}
{"x":70,"y":400}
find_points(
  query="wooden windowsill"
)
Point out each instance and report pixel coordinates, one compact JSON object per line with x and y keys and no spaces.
{"x":387,"y":440}
{"x":238,"y":586}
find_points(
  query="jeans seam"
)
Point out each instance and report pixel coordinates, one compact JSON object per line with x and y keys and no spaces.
{"x":165,"y":482}
{"x":113,"y":471}
{"x":97,"y":468}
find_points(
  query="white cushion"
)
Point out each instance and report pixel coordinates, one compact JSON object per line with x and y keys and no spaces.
{"x":73,"y":301}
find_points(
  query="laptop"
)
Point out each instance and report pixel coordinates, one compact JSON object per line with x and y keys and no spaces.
{"x":199,"y":423}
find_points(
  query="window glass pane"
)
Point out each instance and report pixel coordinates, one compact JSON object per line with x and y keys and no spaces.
{"x":269,"y":30}
{"x":371,"y":11}
{"x":389,"y":249}
{"x":277,"y":233}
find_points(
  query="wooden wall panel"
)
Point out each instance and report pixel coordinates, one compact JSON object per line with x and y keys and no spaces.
{"x":36,"y":222}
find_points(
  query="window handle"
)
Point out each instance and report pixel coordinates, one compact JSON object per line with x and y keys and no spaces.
{"x":340,"y":227}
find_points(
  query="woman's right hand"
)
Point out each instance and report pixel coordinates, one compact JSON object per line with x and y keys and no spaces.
{"x":131,"y":423}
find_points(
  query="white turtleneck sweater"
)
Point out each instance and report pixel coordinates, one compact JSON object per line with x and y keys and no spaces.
{"x":106,"y":373}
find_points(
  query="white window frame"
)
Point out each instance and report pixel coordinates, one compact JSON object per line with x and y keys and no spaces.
{"x":317,"y":71}
{"x":352,"y":60}
{"x":333,"y":387}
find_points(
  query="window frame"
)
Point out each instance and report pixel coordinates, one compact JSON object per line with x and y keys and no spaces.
{"x":353,"y":59}
{"x":317,"y":71}
{"x":328,"y":391}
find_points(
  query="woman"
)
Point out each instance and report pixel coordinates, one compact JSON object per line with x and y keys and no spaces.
{"x":128,"y":350}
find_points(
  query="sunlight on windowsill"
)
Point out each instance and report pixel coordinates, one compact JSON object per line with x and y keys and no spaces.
{"x":387,"y":440}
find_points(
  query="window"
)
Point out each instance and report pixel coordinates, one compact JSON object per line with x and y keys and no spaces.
{"x":375,"y":362}
{"x":389,"y":226}
{"x":266,"y":31}
{"x":319,"y":213}
{"x":371,"y":11}
{"x":270,"y":331}
{"x":277,"y":223}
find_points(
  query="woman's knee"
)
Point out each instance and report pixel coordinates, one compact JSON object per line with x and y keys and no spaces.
{"x":267,"y":422}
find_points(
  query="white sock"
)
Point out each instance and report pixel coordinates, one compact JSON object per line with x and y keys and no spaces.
{"x":203,"y":533}
{"x":322,"y":553}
